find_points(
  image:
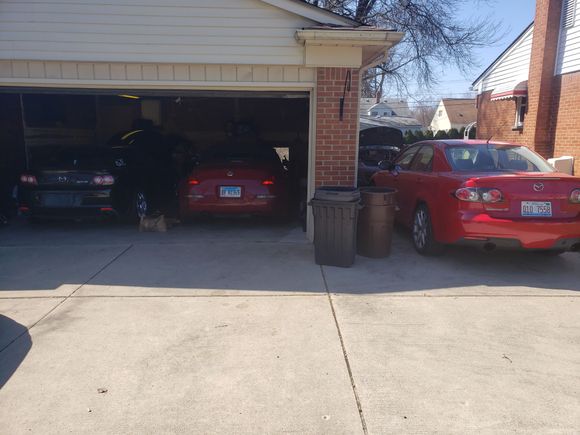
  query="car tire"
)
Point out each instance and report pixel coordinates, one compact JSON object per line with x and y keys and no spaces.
{"x":422,"y":233}
{"x":138,"y":207}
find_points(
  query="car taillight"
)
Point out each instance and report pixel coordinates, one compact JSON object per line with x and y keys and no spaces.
{"x":28,"y":179}
{"x":103,"y":180}
{"x":467,"y":194}
{"x":473,"y":194}
{"x":268,"y":182}
{"x":575,"y":196}
{"x":491,"y":195}
{"x":193,"y":181}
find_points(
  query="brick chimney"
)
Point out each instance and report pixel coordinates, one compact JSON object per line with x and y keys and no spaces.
{"x":537,"y":130}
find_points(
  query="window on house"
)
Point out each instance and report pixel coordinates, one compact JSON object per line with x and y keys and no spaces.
{"x":521,"y":110}
{"x":374,"y":113}
{"x":440,"y":113}
{"x":568,"y":13}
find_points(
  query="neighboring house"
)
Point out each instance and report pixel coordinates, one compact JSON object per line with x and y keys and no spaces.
{"x":388,"y":113}
{"x":530,"y":94}
{"x":400,"y":123}
{"x":453,"y":113}
{"x":390,"y":107}
{"x":236,"y":49}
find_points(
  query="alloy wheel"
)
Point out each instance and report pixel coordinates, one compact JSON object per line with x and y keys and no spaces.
{"x":420,"y":229}
{"x":141,"y":205}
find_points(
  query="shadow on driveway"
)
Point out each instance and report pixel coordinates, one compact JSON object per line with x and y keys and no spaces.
{"x":14,"y":352}
{"x":255,"y":258}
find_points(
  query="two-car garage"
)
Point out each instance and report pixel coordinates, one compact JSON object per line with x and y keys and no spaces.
{"x":276,"y":74}
{"x":54,"y":123}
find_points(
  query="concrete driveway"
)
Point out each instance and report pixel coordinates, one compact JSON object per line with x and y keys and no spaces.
{"x":231,"y":328}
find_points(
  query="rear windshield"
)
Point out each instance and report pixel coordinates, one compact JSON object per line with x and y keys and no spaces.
{"x":240,"y":155}
{"x":69,"y":157}
{"x":495,"y":158}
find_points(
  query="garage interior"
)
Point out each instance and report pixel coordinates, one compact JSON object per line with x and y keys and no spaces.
{"x":31,"y":119}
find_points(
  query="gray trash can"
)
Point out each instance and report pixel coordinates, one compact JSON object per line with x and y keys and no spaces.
{"x":375,"y":223}
{"x":335,"y":224}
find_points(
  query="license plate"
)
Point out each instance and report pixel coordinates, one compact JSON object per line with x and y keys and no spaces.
{"x":536,"y":208}
{"x":230,"y":192}
{"x":55,"y":200}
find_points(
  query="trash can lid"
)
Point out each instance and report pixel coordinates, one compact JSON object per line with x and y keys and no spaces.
{"x":337,"y":189}
{"x":337,"y":193}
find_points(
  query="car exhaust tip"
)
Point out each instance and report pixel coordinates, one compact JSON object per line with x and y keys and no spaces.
{"x":575,"y":248}
{"x":489,"y":247}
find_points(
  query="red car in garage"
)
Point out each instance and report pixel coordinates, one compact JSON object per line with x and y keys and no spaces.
{"x":229,"y":180}
{"x":487,"y":193}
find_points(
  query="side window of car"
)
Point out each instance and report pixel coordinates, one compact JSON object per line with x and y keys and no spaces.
{"x":423,"y":162}
{"x":405,"y":159}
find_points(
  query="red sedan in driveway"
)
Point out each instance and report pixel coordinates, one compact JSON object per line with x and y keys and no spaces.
{"x":232,"y":181}
{"x":491,"y":194}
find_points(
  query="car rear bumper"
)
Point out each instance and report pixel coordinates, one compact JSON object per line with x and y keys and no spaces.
{"x":267,"y":206}
{"x":67,"y":204}
{"x":530,"y":234}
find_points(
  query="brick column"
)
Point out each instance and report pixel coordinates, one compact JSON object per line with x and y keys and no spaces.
{"x":537,"y":129}
{"x":336,"y":140}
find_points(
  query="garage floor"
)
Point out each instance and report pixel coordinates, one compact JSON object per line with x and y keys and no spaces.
{"x":231,"y":328}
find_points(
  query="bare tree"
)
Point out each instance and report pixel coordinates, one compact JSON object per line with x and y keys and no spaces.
{"x":424,"y":111}
{"x":435,"y":36}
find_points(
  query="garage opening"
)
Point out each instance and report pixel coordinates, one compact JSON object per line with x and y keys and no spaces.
{"x":155,"y":145}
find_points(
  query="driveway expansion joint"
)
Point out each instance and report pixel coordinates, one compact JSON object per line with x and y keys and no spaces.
{"x":345,"y":355}
{"x":64,"y":299}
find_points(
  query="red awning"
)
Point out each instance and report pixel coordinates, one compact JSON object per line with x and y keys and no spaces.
{"x":520,"y":90}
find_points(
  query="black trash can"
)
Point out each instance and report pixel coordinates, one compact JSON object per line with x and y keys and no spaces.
{"x":376,"y":221}
{"x":335,"y":223}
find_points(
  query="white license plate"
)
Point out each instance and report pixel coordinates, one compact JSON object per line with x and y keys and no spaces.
{"x":230,"y":192}
{"x":536,"y":208}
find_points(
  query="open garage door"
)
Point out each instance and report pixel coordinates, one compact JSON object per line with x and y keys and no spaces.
{"x":165,"y":136}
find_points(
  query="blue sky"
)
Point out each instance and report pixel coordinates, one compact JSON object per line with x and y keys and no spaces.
{"x":514,"y":15}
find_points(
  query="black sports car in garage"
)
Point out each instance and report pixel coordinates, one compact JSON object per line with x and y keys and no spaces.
{"x":130,"y":176}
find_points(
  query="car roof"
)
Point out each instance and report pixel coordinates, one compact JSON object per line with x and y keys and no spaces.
{"x":463,"y":142}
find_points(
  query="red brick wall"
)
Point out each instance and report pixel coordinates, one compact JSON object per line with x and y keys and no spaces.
{"x":496,"y":119}
{"x":566,"y":117}
{"x":552,"y":124}
{"x":336,"y":140}
{"x":541,"y":78}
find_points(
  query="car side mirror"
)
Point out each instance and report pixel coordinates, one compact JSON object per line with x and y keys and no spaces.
{"x":386,"y":165}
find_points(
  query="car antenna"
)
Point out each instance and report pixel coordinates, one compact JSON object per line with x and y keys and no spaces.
{"x":489,"y":139}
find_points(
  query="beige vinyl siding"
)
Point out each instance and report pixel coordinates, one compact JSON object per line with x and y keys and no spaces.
{"x":169,"y":31}
{"x":94,"y":74}
{"x":569,"y":49}
{"x":512,"y":68}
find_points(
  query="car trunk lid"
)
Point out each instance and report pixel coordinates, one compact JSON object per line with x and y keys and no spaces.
{"x":529,"y":195}
{"x":68,"y":179}
{"x":234,"y":180}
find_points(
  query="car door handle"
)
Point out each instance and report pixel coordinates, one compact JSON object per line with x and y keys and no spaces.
{"x":419,"y":180}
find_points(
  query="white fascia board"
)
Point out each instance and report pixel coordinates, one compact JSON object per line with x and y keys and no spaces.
{"x":357,"y":38}
{"x":311,"y":12}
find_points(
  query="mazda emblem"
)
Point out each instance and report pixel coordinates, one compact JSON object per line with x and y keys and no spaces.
{"x":230,"y":173}
{"x":538,"y":187}
{"x":61,"y":179}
